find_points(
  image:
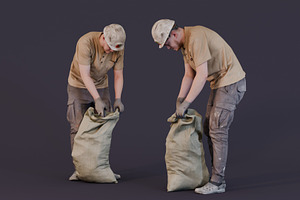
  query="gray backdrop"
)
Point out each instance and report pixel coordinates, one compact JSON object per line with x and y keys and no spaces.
{"x":37,"y":45}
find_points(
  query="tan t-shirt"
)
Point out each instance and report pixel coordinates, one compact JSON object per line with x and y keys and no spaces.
{"x":90,"y":52}
{"x":201,"y":45}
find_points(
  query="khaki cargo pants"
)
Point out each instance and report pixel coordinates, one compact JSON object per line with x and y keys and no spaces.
{"x":219,"y":115}
{"x":79,"y":100}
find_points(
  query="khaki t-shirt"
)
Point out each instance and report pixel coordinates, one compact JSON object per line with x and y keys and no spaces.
{"x":90,"y":52}
{"x":201,"y":45}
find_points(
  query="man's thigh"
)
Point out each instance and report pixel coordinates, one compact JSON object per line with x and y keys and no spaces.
{"x":79,"y":100}
{"x":225,"y":102}
{"x":228,"y":97}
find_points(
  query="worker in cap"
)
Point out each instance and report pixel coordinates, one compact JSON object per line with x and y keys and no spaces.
{"x":206,"y":57}
{"x":96,"y":53}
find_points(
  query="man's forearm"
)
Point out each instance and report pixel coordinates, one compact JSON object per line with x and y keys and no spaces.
{"x":118,"y":83}
{"x":185,"y":86}
{"x":198,"y":82}
{"x":88,"y":81}
{"x":196,"y":88}
{"x":89,"y":84}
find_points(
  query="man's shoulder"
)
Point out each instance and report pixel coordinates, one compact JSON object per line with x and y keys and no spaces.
{"x":196,"y":31}
{"x":194,"y":34}
{"x":90,"y":35}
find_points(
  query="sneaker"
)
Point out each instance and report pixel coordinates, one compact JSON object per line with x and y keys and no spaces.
{"x":73,"y":177}
{"x":118,"y":176}
{"x":210,"y":188}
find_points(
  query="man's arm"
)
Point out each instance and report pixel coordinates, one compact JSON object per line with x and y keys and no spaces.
{"x":88,"y":81}
{"x":187,"y":81}
{"x":118,"y":83}
{"x":100,"y":106}
{"x":197,"y":86}
{"x":198,"y":83}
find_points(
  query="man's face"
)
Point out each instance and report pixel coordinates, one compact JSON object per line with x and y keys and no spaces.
{"x":172,"y":42}
{"x":106,"y":48}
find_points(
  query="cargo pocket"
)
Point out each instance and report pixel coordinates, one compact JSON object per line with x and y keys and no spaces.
{"x":221,"y":118}
{"x":226,"y":118}
{"x":70,"y":112}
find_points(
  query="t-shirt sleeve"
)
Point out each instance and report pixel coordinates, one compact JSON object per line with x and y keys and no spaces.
{"x":83,"y":51}
{"x":184,"y":57}
{"x":120,"y":61}
{"x":200,"y":50}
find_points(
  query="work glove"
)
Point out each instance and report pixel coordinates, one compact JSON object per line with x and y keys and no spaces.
{"x":118,"y":104}
{"x":100,"y":107}
{"x":181,"y":109}
{"x":179,"y":101}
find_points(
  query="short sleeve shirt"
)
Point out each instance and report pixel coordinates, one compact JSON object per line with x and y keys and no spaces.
{"x":201,"y":45}
{"x":90,"y":52}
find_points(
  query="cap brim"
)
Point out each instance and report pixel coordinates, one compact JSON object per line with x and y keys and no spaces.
{"x":115,"y":49}
{"x":163,"y":44}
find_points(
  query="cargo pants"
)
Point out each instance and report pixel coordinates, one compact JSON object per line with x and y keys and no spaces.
{"x":219,"y":115}
{"x":79,"y":100}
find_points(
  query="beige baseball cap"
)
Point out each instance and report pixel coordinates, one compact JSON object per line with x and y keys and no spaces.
{"x":161,"y":30}
{"x":115,"y":36}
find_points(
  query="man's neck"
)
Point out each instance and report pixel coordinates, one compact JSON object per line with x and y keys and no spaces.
{"x":182,"y":37}
{"x":100,"y":40}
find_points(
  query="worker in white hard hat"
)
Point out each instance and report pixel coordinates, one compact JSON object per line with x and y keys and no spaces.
{"x":96,"y":53}
{"x":206,"y":57}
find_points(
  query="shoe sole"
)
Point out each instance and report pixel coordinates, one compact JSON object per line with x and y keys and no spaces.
{"x":214,"y":192}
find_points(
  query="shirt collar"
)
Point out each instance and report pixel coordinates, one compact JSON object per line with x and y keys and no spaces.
{"x":100,"y":47}
{"x":187,"y":34}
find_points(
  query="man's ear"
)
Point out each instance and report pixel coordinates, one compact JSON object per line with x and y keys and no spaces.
{"x":174,"y":33}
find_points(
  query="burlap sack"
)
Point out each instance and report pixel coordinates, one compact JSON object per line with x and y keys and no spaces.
{"x":184,"y":157}
{"x":92,"y":145}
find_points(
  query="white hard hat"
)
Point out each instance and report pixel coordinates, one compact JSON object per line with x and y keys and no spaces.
{"x":161,"y":30}
{"x":115,"y":36}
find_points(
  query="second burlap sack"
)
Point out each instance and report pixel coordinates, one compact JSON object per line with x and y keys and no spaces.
{"x":184,"y":156}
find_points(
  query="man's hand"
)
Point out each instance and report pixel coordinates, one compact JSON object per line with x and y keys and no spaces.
{"x":181,"y":109}
{"x":100,"y":107}
{"x":179,"y":101}
{"x":118,"y":104}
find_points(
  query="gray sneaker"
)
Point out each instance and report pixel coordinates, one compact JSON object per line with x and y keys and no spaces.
{"x":73,"y":177}
{"x":210,"y":188}
{"x":118,"y":176}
